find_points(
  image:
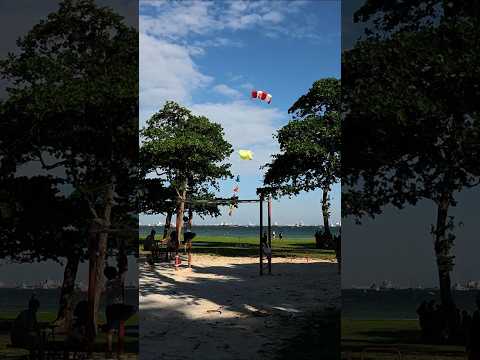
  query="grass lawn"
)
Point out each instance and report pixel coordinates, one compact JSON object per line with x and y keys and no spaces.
{"x":399,"y":334}
{"x":249,"y":246}
{"x":6,"y":317}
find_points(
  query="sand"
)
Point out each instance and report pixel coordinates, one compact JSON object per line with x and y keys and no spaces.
{"x":222,"y":309}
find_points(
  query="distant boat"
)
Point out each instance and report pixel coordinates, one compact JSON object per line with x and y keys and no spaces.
{"x":386,"y":285}
{"x":459,"y":287}
{"x":24,"y":285}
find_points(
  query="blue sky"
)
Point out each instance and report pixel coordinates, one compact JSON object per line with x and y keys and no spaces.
{"x":209,"y":55}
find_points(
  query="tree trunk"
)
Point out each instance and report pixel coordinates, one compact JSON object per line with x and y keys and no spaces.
{"x":122,"y":265}
{"x":67,"y":294}
{"x":442,"y":253}
{"x":443,"y":246}
{"x":326,"y":212}
{"x":180,"y":210}
{"x":97,"y":251}
{"x":190,"y":218}
{"x":168,"y":222}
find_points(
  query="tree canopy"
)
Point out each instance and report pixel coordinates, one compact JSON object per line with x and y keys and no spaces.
{"x":180,"y":146}
{"x":411,"y":118}
{"x":310,"y":146}
{"x":310,"y":143}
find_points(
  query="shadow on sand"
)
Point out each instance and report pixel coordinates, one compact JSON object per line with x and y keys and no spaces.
{"x":300,"y":320}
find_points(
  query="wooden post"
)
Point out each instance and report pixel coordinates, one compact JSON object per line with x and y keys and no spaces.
{"x":270,"y":232}
{"x":261,"y":234}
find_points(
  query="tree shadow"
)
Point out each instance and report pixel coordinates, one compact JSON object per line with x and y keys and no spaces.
{"x":286,"y":309}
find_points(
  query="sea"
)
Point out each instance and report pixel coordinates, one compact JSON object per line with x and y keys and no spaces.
{"x":288,"y":232}
{"x":365,"y":304}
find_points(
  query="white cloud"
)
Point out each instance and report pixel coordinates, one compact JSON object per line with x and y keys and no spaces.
{"x":167,"y":72}
{"x":247,"y":86}
{"x":226,"y":90}
{"x":178,"y":20}
{"x":246,"y":126}
{"x":174,"y":20}
{"x":274,"y":17}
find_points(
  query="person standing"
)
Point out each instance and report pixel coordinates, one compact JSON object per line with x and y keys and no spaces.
{"x":117,"y":312}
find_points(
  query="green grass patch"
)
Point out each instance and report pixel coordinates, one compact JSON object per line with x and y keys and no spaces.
{"x":402,"y":334}
{"x":249,"y":246}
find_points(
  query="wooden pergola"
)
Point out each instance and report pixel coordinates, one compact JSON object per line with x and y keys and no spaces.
{"x":260,"y":200}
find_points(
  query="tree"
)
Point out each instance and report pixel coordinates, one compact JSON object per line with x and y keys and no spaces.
{"x":186,"y":151}
{"x":29,"y":233}
{"x":411,"y":122}
{"x":310,"y":146}
{"x":74,"y":100}
{"x":156,"y":198}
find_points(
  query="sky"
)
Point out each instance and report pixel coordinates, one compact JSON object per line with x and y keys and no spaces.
{"x":209,"y":55}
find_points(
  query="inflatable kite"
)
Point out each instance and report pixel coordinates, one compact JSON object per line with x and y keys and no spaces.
{"x":262,"y":95}
{"x":245,"y":154}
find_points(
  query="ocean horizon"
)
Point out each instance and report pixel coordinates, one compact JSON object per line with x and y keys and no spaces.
{"x":288,"y":231}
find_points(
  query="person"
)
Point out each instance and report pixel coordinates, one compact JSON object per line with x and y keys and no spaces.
{"x":172,"y":244}
{"x":116,"y":311}
{"x":25,"y":331}
{"x":338,"y":250}
{"x":465,"y":327}
{"x":421,"y":312}
{"x":148,"y":245}
{"x":473,"y":345}
{"x":273,"y":235}
{"x":77,"y":337}
{"x":267,"y":251}
{"x":187,"y":241}
{"x":280,"y":236}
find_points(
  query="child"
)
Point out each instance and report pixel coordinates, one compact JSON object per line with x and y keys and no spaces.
{"x":116,"y":311}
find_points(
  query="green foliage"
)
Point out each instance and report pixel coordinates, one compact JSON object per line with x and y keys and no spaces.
{"x":157,"y":197}
{"x":184,"y":149}
{"x":411,"y":118}
{"x":413,"y":15}
{"x":309,"y":144}
{"x":72,"y":108}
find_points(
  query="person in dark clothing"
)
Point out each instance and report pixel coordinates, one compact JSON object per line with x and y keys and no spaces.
{"x":116,"y":311}
{"x":473,"y":344}
{"x":173,"y":244}
{"x":422,"y":312}
{"x":465,"y":327}
{"x":25,"y":331}
{"x":148,"y":245}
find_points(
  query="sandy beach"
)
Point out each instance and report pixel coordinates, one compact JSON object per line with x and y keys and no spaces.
{"x":222,"y":309}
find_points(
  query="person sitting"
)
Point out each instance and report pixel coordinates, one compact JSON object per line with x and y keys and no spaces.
{"x":25,"y":332}
{"x":148,"y":245}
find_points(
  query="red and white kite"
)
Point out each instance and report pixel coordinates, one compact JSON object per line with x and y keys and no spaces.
{"x":262,"y":95}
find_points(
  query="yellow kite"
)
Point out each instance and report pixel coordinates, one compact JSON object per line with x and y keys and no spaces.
{"x":245,"y":154}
